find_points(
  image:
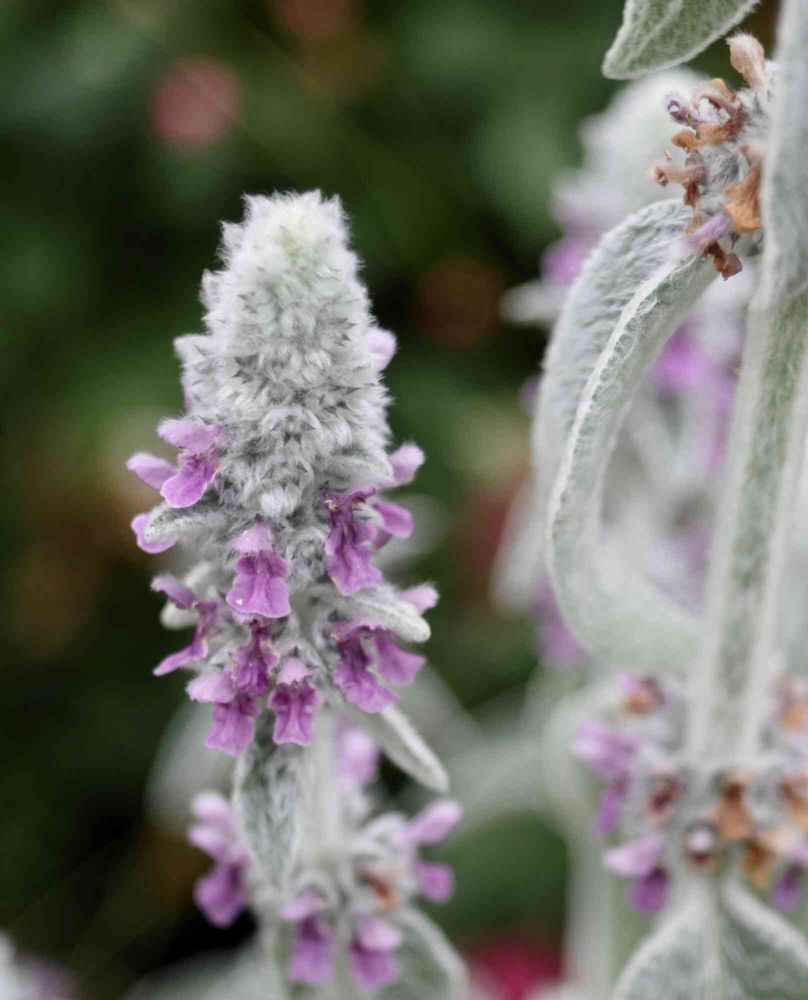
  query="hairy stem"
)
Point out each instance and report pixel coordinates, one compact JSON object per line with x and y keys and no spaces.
{"x":767,"y":441}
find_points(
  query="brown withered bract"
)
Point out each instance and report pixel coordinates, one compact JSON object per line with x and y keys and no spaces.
{"x":757,"y":860}
{"x":725,"y":263}
{"x":386,"y":896}
{"x":732,"y":816}
{"x":743,"y":203}
{"x":795,"y":796}
{"x":747,"y":56}
{"x":644,"y":697}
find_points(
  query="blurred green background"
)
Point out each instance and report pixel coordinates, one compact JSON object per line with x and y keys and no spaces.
{"x":129,"y":130}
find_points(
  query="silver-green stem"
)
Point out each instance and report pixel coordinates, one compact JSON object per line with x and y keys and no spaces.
{"x":752,"y":535}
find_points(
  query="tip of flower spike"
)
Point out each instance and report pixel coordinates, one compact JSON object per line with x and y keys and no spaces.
{"x":300,"y":238}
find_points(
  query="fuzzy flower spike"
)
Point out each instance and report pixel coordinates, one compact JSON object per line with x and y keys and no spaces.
{"x":278,"y":492}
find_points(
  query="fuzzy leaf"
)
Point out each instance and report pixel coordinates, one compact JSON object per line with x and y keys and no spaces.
{"x":269,"y":798}
{"x":719,"y":945}
{"x":656,"y":34}
{"x":402,"y":743}
{"x":616,"y":614}
{"x":383,"y":606}
{"x":167,"y":522}
{"x":430,"y":967}
{"x":785,"y":206}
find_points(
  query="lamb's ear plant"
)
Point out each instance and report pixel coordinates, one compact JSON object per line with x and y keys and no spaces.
{"x":278,"y":499}
{"x":704,"y":763}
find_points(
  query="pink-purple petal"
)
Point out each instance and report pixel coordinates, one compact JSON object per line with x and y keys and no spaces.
{"x":433,"y":823}
{"x":220,"y":894}
{"x":395,"y":664}
{"x":188,"y":434}
{"x":150,"y":469}
{"x":436,"y":882}
{"x":312,"y":957}
{"x":635,"y":859}
{"x":187,"y":486}
{"x":406,"y":461}
{"x":396,"y":520}
{"x":233,"y":727}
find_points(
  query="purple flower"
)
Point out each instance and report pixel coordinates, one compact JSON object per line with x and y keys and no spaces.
{"x":648,"y":893}
{"x":557,"y":645}
{"x":406,"y":461}
{"x":294,"y":702}
{"x":382,"y":344}
{"x":682,"y":364}
{"x":198,"y":460}
{"x":370,"y":955}
{"x":435,"y":881}
{"x":639,"y":860}
{"x":183,"y":597}
{"x":611,"y":802}
{"x":352,"y":674}
{"x":422,"y":598}
{"x":606,"y":751}
{"x":713,"y":229}
{"x":787,"y":893}
{"x":312,"y":958}
{"x":395,"y":664}
{"x":635,"y":859}
{"x":219,"y":894}
{"x":561,"y":262}
{"x":396,"y":520}
{"x":233,"y":725}
{"x":433,"y":823}
{"x":139,"y":522}
{"x":350,"y":543}
{"x":253,"y":663}
{"x":150,"y":469}
{"x":358,"y":757}
{"x":259,"y":587}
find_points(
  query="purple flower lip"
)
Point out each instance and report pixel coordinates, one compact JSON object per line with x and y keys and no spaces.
{"x":219,"y":894}
{"x":208,"y":612}
{"x":350,"y":543}
{"x":607,"y":752}
{"x":433,"y":823}
{"x":198,"y":462}
{"x":294,"y":702}
{"x":233,"y":726}
{"x":406,"y":461}
{"x":259,"y":587}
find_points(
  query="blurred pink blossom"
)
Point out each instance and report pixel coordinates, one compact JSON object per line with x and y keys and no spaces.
{"x":194,"y":102}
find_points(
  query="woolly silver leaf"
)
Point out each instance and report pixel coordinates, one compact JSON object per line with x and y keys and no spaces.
{"x":617,"y":615}
{"x":402,"y":743}
{"x":656,"y":34}
{"x":269,"y":797}
{"x":166,"y":522}
{"x":383,"y":606}
{"x":785,"y":179}
{"x":430,"y":967}
{"x":723,"y":945}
